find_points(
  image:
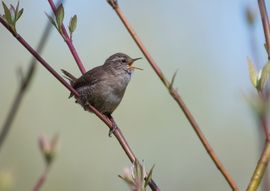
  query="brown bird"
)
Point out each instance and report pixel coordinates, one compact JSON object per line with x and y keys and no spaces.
{"x":104,"y":86}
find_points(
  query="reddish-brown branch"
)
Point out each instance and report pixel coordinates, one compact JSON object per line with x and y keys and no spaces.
{"x":175,"y":95}
{"x":264,"y":125}
{"x":41,"y":179}
{"x":118,"y":134}
{"x":69,"y":42}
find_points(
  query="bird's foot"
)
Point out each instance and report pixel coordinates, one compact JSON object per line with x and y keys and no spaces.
{"x":114,"y":125}
{"x":112,"y":130}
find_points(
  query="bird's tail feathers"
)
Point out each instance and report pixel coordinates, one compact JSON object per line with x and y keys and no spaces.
{"x":70,"y":78}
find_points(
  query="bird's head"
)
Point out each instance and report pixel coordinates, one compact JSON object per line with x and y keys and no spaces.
{"x":122,"y":61}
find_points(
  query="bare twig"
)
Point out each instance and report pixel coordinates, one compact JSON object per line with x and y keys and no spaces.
{"x":260,"y":169}
{"x":41,"y":179}
{"x":175,"y":95}
{"x":24,"y":85}
{"x":118,"y":134}
{"x":262,"y":117}
{"x":266,"y":27}
{"x":265,"y":156}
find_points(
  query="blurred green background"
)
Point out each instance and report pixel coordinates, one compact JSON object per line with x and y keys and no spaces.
{"x":207,"y":41}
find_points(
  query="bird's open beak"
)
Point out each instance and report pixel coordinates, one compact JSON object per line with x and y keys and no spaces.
{"x":132,"y":61}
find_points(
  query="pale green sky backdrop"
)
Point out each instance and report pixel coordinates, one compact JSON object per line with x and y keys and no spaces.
{"x":208,"y":41}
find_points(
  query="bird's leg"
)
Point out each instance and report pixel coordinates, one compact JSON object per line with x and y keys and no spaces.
{"x":114,"y":125}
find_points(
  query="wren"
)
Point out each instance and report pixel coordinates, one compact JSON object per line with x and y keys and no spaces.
{"x":104,"y":86}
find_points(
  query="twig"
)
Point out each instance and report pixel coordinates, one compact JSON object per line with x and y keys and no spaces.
{"x":26,"y":80}
{"x":69,"y":42}
{"x":262,"y":117}
{"x":266,"y":27}
{"x":118,"y":134}
{"x":260,"y":169}
{"x":265,"y":156}
{"x":41,"y":179}
{"x":175,"y":95}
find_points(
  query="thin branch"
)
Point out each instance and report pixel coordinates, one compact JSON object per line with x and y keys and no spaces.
{"x":265,"y":156}
{"x":260,"y":169}
{"x":175,"y":95}
{"x":26,"y":80}
{"x":266,"y":27}
{"x":118,"y":134}
{"x":42,"y":178}
{"x":69,"y":42}
{"x":264,"y":125}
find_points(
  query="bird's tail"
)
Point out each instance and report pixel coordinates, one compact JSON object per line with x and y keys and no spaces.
{"x":72,"y":79}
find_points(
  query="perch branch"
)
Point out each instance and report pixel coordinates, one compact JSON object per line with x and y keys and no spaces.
{"x":118,"y":134}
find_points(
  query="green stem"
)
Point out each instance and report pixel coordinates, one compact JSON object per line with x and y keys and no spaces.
{"x":260,"y":169}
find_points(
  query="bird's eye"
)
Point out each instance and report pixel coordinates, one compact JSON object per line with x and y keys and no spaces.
{"x":124,"y":60}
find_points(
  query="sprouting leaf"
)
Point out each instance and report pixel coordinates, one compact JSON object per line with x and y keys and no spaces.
{"x":264,"y":76}
{"x":17,"y":7}
{"x":48,"y":147}
{"x":252,"y":73}
{"x":12,"y":13}
{"x":52,"y":21}
{"x":149,"y":177}
{"x":72,"y":24}
{"x":7,"y":14}
{"x":172,"y":81}
{"x":19,"y":14}
{"x":126,"y":179}
{"x":60,"y":16}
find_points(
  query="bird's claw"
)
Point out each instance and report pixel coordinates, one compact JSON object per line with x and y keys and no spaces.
{"x":112,"y":130}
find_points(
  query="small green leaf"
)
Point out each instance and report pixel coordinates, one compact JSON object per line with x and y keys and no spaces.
{"x":149,"y":177}
{"x":12,"y":13}
{"x":138,"y":170}
{"x":264,"y":76}
{"x":72,"y":24}
{"x":60,"y":16}
{"x":7,"y":14}
{"x":252,"y":73}
{"x":17,"y":7}
{"x":51,"y":19}
{"x":19,"y":14}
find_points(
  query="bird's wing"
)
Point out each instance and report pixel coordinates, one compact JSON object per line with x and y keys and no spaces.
{"x":93,"y":76}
